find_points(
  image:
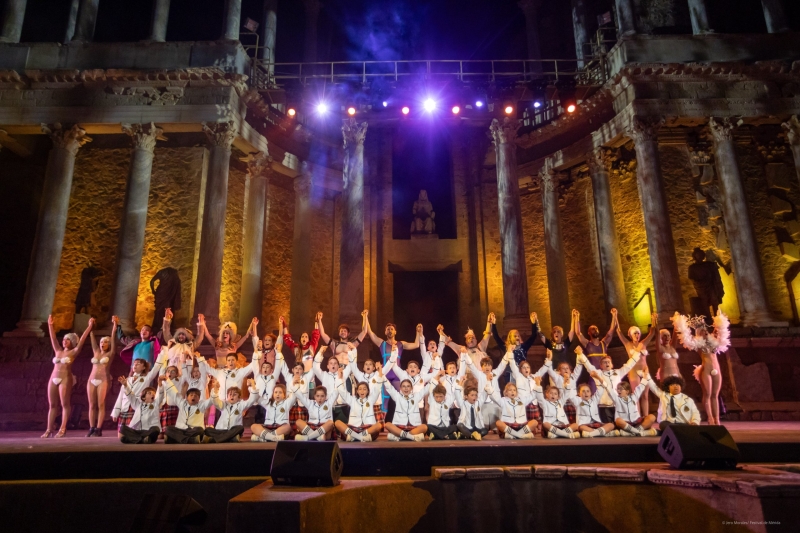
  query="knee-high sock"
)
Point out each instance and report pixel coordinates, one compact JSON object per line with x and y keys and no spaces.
{"x":354,"y":434}
{"x":560,"y":432}
{"x":630,"y":429}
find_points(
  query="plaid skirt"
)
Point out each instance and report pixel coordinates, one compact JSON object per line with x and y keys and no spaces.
{"x":595,"y":425}
{"x":168,"y":415}
{"x":405,"y":428}
{"x":637,"y":422}
{"x":569,"y":410}
{"x":533,"y":412}
{"x":297,"y":412}
{"x":380,"y":416}
{"x":125,"y":418}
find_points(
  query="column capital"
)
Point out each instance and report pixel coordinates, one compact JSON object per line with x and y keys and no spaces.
{"x":70,"y":139}
{"x":258,"y":165}
{"x":144,"y":136}
{"x":220,"y":133}
{"x":645,"y":128}
{"x":792,"y":127}
{"x":353,"y":132}
{"x":303,"y":182}
{"x":504,"y":132}
{"x":599,"y":159}
{"x":721,"y":129}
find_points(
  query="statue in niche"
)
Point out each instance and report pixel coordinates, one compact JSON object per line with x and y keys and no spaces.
{"x":423,"y":215}
{"x":89,"y":281}
{"x":166,"y":287}
{"x":707,"y":283}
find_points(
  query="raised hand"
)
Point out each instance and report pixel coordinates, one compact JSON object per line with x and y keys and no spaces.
{"x":654,"y":318}
{"x":538,"y":381}
{"x":419,"y":329}
{"x":251,"y":383}
{"x":50,"y":320}
{"x":440,"y":329}
{"x":440,"y":374}
{"x":201,"y":320}
{"x":350,"y":346}
{"x":614,"y":312}
{"x":365,"y":312}
{"x":534,"y":318}
{"x":91,"y":323}
{"x":122,"y":380}
{"x":115,"y":320}
{"x":492,"y":318}
{"x":255,"y":321}
{"x":579,"y":350}
{"x":595,"y":375}
{"x":282,"y":320}
{"x":168,"y":314}
{"x":549,"y":354}
{"x":162,"y":378}
{"x":322,"y":349}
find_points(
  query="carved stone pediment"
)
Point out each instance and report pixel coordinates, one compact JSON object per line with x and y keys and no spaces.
{"x":155,"y":95}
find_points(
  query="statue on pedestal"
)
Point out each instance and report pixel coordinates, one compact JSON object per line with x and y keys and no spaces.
{"x":423,"y":215}
{"x":89,"y":281}
{"x":166,"y":288}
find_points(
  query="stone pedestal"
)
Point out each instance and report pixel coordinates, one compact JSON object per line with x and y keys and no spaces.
{"x":312,"y":7}
{"x":134,"y":222}
{"x":258,"y":174}
{"x":746,"y":260}
{"x":87,"y":19}
{"x":792,"y":127}
{"x":300,"y":304}
{"x":626,"y":17}
{"x":158,"y":30}
{"x":660,"y":244}
{"x":11,"y":24}
{"x":233,"y":20}
{"x":48,"y":243}
{"x":515,"y":279}
{"x":699,"y":15}
{"x":560,"y":313}
{"x":775,"y":16}
{"x":607,"y":240}
{"x":351,"y":258}
{"x":212,"y":239}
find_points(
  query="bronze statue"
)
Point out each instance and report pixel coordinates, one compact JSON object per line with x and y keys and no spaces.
{"x":166,"y":287}
{"x":423,"y":214}
{"x":707,"y":283}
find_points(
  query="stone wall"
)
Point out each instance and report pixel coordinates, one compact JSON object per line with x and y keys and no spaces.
{"x":535,"y":264}
{"x":492,"y":260}
{"x":231,"y":289}
{"x":323,"y":267}
{"x":277,"y":261}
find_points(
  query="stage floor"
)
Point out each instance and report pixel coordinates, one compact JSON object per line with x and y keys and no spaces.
{"x":23,"y":455}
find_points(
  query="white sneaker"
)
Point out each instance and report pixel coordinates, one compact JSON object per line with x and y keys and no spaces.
{"x":255,"y":438}
{"x":649,"y":433}
{"x":392,"y":437}
{"x":526,"y":435}
{"x":613,"y":433}
{"x":300,"y":437}
{"x":586,"y":434}
{"x":551,"y":435}
{"x":349,"y":438}
{"x":418,"y":438}
{"x":574,"y":435}
{"x":278,"y":437}
{"x":366,"y":438}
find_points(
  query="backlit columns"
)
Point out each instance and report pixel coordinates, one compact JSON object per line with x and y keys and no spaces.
{"x":775,"y":16}
{"x":268,"y":31}
{"x":87,"y":19}
{"x":560,"y":313}
{"x":741,"y":238}
{"x":607,"y":241}
{"x":699,"y":15}
{"x":11,"y":24}
{"x":579,"y":28}
{"x":660,"y":245}
{"x":299,"y":307}
{"x":158,"y":29}
{"x":233,"y":20}
{"x":515,"y":279}
{"x":626,"y":17}
{"x":48,"y":243}
{"x":258,"y":174}
{"x":134,"y":222}
{"x":351,"y":258}
{"x":212,"y":239}
{"x":792,"y":127}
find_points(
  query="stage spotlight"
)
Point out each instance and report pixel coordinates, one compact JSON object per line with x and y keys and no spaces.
{"x":509,"y":109}
{"x":291,"y":112}
{"x":429,"y":104}
{"x":456,"y":110}
{"x":406,"y":110}
{"x":351,"y":111}
{"x":322,"y":108}
{"x":385,"y":104}
{"x":478,"y":104}
{"x":537,"y":104}
{"x":571,"y":108}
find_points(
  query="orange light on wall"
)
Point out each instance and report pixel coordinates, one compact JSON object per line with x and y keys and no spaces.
{"x":291,"y":112}
{"x":351,"y":111}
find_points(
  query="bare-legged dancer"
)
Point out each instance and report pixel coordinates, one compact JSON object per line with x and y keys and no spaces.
{"x":99,"y":379}
{"x":637,"y":344}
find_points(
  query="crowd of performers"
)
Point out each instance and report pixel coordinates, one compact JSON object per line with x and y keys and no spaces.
{"x":174,"y":392}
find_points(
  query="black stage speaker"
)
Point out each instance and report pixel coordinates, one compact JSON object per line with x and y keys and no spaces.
{"x":306,"y":464}
{"x":167,"y":513}
{"x":711,"y":447}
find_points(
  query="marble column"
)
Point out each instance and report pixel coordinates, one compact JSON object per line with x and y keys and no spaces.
{"x":212,"y":239}
{"x":607,"y":240}
{"x":72,"y":20}
{"x":792,"y":127}
{"x":660,"y":244}
{"x":775,"y":16}
{"x":13,"y":16}
{"x":351,"y":257}
{"x":579,"y":29}
{"x":300,"y":312}
{"x":134,"y":222}
{"x":560,"y":312}
{"x":699,"y":15}
{"x":40,"y":290}
{"x":746,"y":259}
{"x":269,"y":27}
{"x":233,"y":20}
{"x":626,"y":17}
{"x":258,"y":174}
{"x":158,"y":27}
{"x":530,"y":8}
{"x":87,"y":19}
{"x":312,"y":7}
{"x":512,"y":250}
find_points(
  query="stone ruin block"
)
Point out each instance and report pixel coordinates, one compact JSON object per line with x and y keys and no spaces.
{"x":790,"y":251}
{"x":779,"y":205}
{"x":449,"y":473}
{"x":484,"y":473}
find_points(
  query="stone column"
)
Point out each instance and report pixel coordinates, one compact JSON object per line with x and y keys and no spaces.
{"x":775,"y":16}
{"x":87,"y":19}
{"x":515,"y":278}
{"x":134,"y":222}
{"x":312,"y":7}
{"x":607,"y":240}
{"x":560,"y":313}
{"x":579,"y":28}
{"x":792,"y":127}
{"x":626,"y":17}
{"x":158,"y":29}
{"x":40,"y":290}
{"x":351,"y":258}
{"x":530,"y":8}
{"x":212,"y":239}
{"x":300,"y":305}
{"x":660,"y":245}
{"x":268,"y":30}
{"x":699,"y":15}
{"x":72,"y":20}
{"x":233,"y":20}
{"x":742,"y":240}
{"x":13,"y":16}
{"x":258,"y":174}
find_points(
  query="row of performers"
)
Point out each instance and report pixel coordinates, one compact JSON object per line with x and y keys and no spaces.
{"x":614,"y":400}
